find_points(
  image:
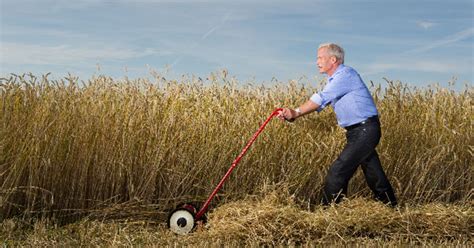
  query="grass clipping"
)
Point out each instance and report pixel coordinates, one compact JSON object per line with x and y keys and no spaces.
{"x":274,"y":220}
{"x":278,"y":220}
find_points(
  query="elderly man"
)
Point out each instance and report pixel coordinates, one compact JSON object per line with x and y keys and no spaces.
{"x":356,"y":112}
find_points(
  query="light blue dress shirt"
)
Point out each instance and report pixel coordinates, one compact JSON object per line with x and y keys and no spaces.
{"x":348,"y":95}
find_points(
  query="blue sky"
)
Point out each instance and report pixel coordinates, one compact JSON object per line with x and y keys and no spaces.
{"x":417,"y":42}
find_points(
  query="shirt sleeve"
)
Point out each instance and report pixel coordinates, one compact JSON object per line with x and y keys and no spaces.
{"x":335,"y":89}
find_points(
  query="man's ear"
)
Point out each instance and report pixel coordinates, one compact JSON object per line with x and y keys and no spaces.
{"x":333,"y":59}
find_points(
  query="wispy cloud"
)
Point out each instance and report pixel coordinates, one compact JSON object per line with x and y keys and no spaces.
{"x":425,"y":24}
{"x":28,"y":54}
{"x":411,"y":61}
{"x":30,"y":6}
{"x":417,"y":65}
{"x":204,"y":36}
{"x":10,"y":32}
{"x":464,"y":34}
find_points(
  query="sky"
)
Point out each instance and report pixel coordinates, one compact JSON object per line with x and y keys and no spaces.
{"x":416,"y":42}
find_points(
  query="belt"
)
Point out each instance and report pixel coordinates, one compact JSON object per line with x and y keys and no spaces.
{"x":368,"y":120}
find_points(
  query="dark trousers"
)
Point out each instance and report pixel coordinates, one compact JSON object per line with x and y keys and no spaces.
{"x":359,"y":150}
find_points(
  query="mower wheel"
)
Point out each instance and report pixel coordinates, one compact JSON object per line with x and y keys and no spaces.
{"x":181,"y":220}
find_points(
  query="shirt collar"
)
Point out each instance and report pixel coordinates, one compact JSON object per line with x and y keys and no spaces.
{"x":339,"y":68}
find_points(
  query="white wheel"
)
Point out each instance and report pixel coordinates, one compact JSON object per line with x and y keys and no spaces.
{"x":181,"y":221}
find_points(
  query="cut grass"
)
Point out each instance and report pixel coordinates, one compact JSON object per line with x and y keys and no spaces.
{"x":274,"y":220}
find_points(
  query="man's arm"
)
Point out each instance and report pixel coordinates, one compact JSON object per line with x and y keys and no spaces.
{"x":292,"y":114}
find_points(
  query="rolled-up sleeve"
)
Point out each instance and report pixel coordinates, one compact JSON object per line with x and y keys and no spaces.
{"x":335,"y":89}
{"x":317,"y":99}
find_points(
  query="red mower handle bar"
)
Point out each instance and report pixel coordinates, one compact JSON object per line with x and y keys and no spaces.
{"x":234,"y":164}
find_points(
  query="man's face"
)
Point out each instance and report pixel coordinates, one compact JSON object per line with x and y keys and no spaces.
{"x":326,"y":63}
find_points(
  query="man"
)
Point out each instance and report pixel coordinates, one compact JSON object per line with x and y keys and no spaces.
{"x":356,"y":112}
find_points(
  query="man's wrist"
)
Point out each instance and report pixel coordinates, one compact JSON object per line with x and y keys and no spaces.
{"x":298,"y":112}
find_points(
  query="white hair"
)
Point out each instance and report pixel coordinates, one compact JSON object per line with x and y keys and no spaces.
{"x":334,"y":50}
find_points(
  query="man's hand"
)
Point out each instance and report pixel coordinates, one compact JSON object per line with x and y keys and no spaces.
{"x":291,"y":114}
{"x":288,"y":115}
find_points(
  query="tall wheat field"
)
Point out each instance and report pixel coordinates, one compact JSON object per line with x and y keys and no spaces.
{"x":101,"y":162}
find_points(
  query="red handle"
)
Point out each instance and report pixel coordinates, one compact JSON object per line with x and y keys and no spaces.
{"x":234,"y":164}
